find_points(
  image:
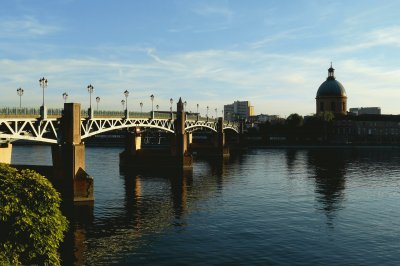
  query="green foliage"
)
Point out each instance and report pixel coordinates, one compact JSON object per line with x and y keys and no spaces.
{"x":294,"y":120}
{"x":31,"y":223}
{"x":326,"y":116}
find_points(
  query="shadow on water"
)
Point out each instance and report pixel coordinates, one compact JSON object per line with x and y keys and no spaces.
{"x":154,"y":200}
{"x":329,"y":168}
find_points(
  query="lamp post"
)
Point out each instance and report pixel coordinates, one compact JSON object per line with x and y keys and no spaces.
{"x":152,"y":109}
{"x":123,"y":105}
{"x":65,"y":96}
{"x":126,"y":93}
{"x":216,"y":112}
{"x":43,"y":83}
{"x":152,"y":100}
{"x":97,"y":101}
{"x":20,"y":92}
{"x":157,"y":107}
{"x":90,"y":89}
{"x":171,"y":101}
{"x":207,"y":111}
{"x":184,"y":105}
{"x":141,"y":107}
{"x":197,"y":105}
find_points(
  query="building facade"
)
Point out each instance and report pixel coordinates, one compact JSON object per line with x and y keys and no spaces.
{"x":331,"y":95}
{"x":365,"y":111}
{"x":239,"y":110}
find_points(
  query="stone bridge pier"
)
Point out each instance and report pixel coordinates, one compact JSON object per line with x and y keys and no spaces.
{"x":69,"y":157}
{"x":5,"y":153}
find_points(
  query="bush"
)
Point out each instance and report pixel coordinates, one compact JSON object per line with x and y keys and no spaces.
{"x":31,"y":223}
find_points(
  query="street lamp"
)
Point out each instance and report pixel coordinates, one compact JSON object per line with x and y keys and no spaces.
{"x":184,"y":105}
{"x":207,"y":111}
{"x":43,"y":83}
{"x":126,"y":93}
{"x":123,"y":105}
{"x":216,"y":112}
{"x":90,"y":89}
{"x":171,"y":101}
{"x":141,"y":107}
{"x":20,"y":92}
{"x":197,"y":105}
{"x":97,"y":101}
{"x":152,"y":100}
{"x":157,"y":107}
{"x":65,"y":96}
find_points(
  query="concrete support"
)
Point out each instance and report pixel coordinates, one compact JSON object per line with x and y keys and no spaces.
{"x":220,"y":139}
{"x":5,"y":153}
{"x":69,"y":156}
{"x":184,"y":159}
{"x":189,"y":138}
{"x":134,"y":142}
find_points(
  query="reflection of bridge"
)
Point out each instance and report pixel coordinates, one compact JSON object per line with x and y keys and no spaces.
{"x":67,"y":128}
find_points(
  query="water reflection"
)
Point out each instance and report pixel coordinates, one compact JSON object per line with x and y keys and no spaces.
{"x":154,"y":201}
{"x":328,"y":168}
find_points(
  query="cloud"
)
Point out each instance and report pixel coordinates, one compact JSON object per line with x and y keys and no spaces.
{"x":26,"y":27}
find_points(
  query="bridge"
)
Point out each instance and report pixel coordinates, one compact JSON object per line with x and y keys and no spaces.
{"x":67,"y":128}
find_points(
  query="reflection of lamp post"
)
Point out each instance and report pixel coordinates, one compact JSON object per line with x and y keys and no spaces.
{"x":141,"y":106}
{"x":43,"y":112}
{"x":20,"y":92}
{"x":65,"y":96}
{"x":123,"y":105}
{"x":126,"y":93}
{"x":97,"y":101}
{"x":90,"y":89}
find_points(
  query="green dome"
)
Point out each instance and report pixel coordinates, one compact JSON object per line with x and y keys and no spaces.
{"x":331,"y":87}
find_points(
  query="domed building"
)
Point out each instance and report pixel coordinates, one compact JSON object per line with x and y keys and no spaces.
{"x":331,"y":95}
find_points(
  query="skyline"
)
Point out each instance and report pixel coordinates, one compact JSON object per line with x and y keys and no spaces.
{"x":207,"y":53}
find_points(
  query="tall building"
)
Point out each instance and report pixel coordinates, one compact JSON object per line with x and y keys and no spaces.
{"x":238,"y":110}
{"x":331,"y":95}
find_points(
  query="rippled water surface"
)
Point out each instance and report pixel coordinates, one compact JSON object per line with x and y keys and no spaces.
{"x":266,"y":207}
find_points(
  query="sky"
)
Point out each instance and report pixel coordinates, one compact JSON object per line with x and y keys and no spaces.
{"x":274,"y":54}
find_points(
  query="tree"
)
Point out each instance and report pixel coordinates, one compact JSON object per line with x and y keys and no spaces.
{"x":294,"y":120}
{"x":31,"y":223}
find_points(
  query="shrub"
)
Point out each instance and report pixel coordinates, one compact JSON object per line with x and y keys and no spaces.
{"x":31,"y":223}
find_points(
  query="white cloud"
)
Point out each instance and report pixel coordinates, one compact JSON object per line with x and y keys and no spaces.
{"x":26,"y":26}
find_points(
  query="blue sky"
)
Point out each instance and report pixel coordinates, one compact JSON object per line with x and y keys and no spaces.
{"x":273,"y":53}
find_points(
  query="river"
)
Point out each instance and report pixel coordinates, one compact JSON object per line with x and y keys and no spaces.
{"x":325,"y":206}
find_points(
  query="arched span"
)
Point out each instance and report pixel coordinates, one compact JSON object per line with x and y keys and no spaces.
{"x":192,"y":128}
{"x":96,"y":126}
{"x":232,"y":128}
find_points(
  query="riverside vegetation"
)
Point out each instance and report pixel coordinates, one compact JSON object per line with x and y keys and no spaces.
{"x":31,"y":223}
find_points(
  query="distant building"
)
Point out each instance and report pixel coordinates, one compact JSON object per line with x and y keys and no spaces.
{"x":262,"y":118}
{"x":238,"y":110}
{"x":331,"y":95}
{"x":365,"y":111}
